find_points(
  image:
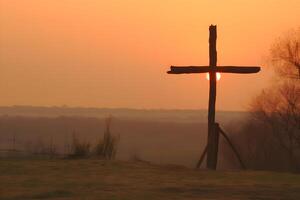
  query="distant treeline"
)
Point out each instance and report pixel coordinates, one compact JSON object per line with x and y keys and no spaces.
{"x":187,"y":116}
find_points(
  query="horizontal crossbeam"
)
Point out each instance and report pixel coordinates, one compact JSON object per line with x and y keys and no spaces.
{"x":205,"y":69}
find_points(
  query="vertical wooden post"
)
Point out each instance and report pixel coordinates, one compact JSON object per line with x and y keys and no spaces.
{"x":211,"y":142}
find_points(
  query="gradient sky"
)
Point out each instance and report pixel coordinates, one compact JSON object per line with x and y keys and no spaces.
{"x":116,"y":53}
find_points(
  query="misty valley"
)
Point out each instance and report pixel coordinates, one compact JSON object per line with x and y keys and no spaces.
{"x":156,"y":136}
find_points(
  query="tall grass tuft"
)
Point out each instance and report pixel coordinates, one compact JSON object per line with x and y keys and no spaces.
{"x":79,"y":149}
{"x":106,"y":147}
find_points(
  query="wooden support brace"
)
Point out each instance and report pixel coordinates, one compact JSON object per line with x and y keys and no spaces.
{"x":233,"y":148}
{"x":215,"y":138}
{"x":201,"y":158}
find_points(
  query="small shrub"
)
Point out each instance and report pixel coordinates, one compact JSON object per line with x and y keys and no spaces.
{"x":79,"y":149}
{"x":106,"y":147}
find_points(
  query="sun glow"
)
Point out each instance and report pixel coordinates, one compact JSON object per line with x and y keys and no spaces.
{"x":218,"y":76}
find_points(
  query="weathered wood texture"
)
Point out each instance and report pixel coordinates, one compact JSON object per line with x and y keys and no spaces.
{"x":205,"y":69}
{"x":211,"y":158}
{"x":214,"y":147}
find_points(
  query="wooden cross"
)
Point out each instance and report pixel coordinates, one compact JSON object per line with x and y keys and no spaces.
{"x":212,"y":69}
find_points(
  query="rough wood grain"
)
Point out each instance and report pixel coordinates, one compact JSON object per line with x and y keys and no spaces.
{"x":206,"y":69}
{"x":211,"y":158}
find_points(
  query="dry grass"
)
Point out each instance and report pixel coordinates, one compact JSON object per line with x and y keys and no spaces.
{"x":106,"y":148}
{"x":100,"y":179}
{"x":79,"y":149}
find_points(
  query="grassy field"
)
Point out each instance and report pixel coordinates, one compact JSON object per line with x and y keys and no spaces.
{"x":96,"y":179}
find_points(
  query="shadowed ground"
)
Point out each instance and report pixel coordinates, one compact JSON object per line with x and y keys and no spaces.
{"x":95,"y":179}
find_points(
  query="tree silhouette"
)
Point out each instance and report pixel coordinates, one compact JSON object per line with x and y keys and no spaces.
{"x":285,"y":55}
{"x":278,"y":106}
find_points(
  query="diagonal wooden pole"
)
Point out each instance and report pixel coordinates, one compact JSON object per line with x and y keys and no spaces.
{"x":233,"y":148}
{"x":202,"y":157}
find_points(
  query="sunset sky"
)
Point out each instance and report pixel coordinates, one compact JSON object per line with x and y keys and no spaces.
{"x":115,"y":53}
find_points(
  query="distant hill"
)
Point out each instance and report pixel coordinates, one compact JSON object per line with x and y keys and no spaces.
{"x":184,"y":116}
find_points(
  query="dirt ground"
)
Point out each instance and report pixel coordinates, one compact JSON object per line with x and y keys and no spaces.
{"x":96,"y":179}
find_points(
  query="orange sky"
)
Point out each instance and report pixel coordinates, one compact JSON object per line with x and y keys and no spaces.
{"x":115,"y":53}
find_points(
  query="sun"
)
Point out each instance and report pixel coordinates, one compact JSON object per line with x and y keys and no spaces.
{"x":217,"y":74}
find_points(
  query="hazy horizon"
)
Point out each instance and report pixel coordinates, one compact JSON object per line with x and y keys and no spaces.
{"x":115,"y":108}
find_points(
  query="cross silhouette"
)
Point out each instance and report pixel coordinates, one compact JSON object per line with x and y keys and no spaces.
{"x":212,"y":69}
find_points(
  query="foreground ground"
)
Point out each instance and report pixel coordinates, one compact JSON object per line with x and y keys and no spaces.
{"x":95,"y":179}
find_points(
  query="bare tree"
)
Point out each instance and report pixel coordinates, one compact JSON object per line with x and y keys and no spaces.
{"x":279,"y":110}
{"x":285,"y":55}
{"x":278,"y":107}
{"x":270,"y":139}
